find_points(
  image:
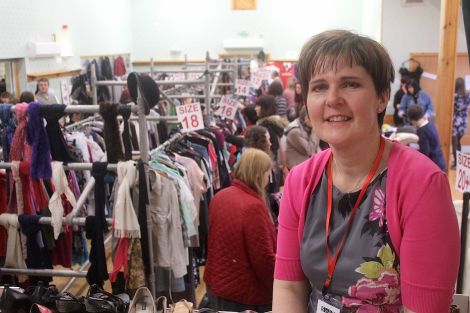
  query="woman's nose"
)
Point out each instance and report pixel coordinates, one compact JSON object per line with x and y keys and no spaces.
{"x":333,"y":96}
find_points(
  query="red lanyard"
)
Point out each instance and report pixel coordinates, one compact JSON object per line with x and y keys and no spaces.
{"x":332,"y":262}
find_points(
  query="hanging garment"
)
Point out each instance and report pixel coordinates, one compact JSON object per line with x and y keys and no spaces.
{"x":7,"y":128}
{"x":106,"y":70}
{"x":62,"y":252}
{"x":37,"y":255}
{"x":37,"y":138}
{"x":14,"y":256}
{"x":111,"y":134}
{"x":20,"y":150}
{"x":119,"y":66}
{"x":125,"y":223}
{"x":61,"y":186}
{"x":20,"y":197}
{"x":52,"y":113}
{"x":95,"y":227}
{"x":136,"y":275}
{"x":143,"y":201}
{"x":167,"y":239}
{"x":80,"y":89}
{"x":125,"y":112}
{"x":3,"y":209}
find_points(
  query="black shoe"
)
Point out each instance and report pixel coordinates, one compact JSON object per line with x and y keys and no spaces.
{"x":13,"y":301}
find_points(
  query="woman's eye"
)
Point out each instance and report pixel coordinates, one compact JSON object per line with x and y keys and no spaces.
{"x":351,"y":85}
{"x":319,"y":88}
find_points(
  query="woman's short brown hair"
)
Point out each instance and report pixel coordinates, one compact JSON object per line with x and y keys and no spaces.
{"x":325,"y":51}
{"x":256,"y":138}
{"x":251,"y":168}
{"x":268,"y":106}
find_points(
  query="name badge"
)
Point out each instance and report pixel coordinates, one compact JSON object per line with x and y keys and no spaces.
{"x":325,"y":307}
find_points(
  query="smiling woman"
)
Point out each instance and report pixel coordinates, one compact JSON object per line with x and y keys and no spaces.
{"x":359,"y":222}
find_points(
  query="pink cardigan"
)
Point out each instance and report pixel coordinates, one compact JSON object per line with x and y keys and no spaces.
{"x":420,"y":216}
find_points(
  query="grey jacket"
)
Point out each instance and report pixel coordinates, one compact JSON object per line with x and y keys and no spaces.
{"x":299,"y":144}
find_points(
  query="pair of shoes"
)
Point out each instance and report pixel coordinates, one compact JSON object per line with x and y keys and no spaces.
{"x":13,"y":301}
{"x":143,"y":302}
{"x":182,"y":306}
{"x":42,"y":295}
{"x":99,"y":300}
{"x":68,"y":303}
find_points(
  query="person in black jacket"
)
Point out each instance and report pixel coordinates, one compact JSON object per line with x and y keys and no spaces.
{"x":266,"y":109}
{"x":396,"y":102}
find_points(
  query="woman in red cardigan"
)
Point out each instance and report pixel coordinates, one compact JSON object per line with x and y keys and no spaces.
{"x":241,"y":249}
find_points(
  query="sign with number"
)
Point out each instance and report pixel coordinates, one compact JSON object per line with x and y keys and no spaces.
{"x":227,"y":108}
{"x":462,"y":177}
{"x":190,"y":116}
{"x":258,"y":77}
{"x":242,"y":87}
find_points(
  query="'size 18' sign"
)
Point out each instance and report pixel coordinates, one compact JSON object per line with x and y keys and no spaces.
{"x":190,"y":116}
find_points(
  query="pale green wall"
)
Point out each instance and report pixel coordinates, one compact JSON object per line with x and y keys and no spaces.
{"x":195,"y":27}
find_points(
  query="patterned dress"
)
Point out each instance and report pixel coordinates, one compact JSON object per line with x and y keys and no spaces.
{"x":459,"y":123}
{"x":367,"y":276}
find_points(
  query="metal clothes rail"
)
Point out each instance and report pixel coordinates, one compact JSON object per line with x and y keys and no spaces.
{"x":144,"y":154}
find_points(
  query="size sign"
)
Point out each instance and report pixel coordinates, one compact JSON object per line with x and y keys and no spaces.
{"x":462,"y":177}
{"x":242,"y":87}
{"x":190,"y":116}
{"x":258,"y":77}
{"x":227,"y":108}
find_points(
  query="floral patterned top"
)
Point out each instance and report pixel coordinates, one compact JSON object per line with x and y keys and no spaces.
{"x":367,"y":275}
{"x":459,"y":123}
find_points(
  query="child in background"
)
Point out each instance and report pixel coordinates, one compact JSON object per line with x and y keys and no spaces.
{"x":429,"y":143}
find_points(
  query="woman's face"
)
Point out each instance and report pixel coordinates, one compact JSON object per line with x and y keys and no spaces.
{"x":268,"y":140}
{"x":343,"y":105}
{"x":258,"y":110}
{"x":298,"y":89}
{"x":411,"y":90}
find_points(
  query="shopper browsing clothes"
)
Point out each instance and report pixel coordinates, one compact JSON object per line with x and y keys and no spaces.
{"x":429,"y":143}
{"x":241,"y":241}
{"x":367,"y":225}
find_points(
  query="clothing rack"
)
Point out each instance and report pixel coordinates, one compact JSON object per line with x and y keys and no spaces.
{"x":144,"y":153}
{"x":172,"y":139}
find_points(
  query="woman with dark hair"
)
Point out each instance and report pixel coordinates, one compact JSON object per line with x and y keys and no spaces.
{"x":267,"y":117}
{"x":396,"y":102}
{"x":459,"y":122}
{"x":276,"y":90}
{"x":27,"y":97}
{"x":258,"y":137}
{"x":367,"y":225}
{"x":414,"y":95}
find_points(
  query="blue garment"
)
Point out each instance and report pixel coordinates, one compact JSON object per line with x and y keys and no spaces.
{"x":459,"y":122}
{"x":423,"y":99}
{"x":429,"y":144}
